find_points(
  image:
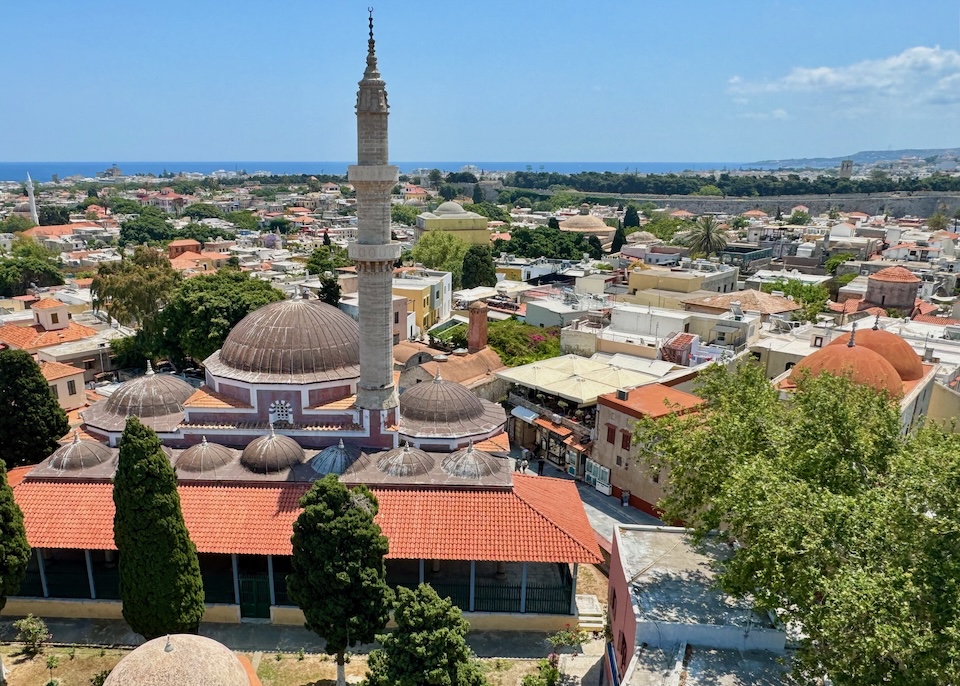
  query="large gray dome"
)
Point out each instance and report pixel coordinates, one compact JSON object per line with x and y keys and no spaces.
{"x":77,"y":455}
{"x":271,"y":454}
{"x":439,"y":401}
{"x":181,"y":659}
{"x":293,"y":341}
{"x":157,"y":399}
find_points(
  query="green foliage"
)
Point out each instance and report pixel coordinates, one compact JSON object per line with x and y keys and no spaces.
{"x":14,"y":550}
{"x":280,"y":225}
{"x":553,"y":223}
{"x":477,"y":194}
{"x":31,"y":419}
{"x":568,"y":638}
{"x":327,"y":259}
{"x":709,"y":189}
{"x":798,"y":219}
{"x":938,"y":222}
{"x":134,"y":289}
{"x":492,"y":212}
{"x":242,"y":220}
{"x":134,"y":351}
{"x":203,"y":310}
{"x":518,"y":343}
{"x":739,"y":222}
{"x":813,"y":297}
{"x":428,"y":647}
{"x":330,"y":290}
{"x":339,"y":574}
{"x":706,"y":237}
{"x":435,"y":177}
{"x":619,"y":239}
{"x":461,"y":177}
{"x":147,"y":227}
{"x":835,"y":261}
{"x":631,"y":217}
{"x":160,"y":583}
{"x":29,"y":263}
{"x":100,"y":678}
{"x":125,"y":206}
{"x":448,"y":191}
{"x":404,"y":214}
{"x":845,"y":526}
{"x":50,"y":215}
{"x":548,"y":673}
{"x":441,"y":250}
{"x":478,"y":267}
{"x":544,"y":241}
{"x":663,"y":226}
{"x":15,"y":224}
{"x":32,"y":632}
{"x":203,"y":210}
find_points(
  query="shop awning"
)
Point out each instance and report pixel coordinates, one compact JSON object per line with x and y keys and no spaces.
{"x":529,"y":416}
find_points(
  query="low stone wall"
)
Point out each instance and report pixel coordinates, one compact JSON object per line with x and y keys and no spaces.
{"x":479,"y":621}
{"x":222,"y":614}
{"x":59,"y":607}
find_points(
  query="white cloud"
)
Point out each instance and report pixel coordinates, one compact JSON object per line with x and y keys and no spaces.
{"x":922,"y":74}
{"x":777,"y":114}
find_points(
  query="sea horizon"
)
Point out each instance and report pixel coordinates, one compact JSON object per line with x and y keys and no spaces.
{"x":43,"y":171}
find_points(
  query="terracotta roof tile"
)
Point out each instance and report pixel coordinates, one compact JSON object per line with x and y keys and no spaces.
{"x":652,"y":400}
{"x":16,"y":475}
{"x":749,"y":300}
{"x":558,"y":429}
{"x":535,"y":522}
{"x":499,"y":443}
{"x":208,"y":398}
{"x":56,"y":370}
{"x":895,"y":274}
{"x":933,"y":319}
{"x":47,"y":303}
{"x":31,"y":337}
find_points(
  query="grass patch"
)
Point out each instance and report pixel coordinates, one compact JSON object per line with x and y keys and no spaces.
{"x":591,"y":581}
{"x":71,"y":672}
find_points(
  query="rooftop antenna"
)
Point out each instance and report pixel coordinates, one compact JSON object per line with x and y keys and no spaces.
{"x":853,"y":331}
{"x":876,"y":322}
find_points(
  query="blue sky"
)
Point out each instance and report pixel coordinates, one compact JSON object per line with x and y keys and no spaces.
{"x":685,"y":80}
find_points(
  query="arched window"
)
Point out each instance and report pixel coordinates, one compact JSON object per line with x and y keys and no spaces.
{"x":280,"y":412}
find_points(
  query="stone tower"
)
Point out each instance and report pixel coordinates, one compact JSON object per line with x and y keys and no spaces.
{"x":373,"y":178}
{"x":33,"y":201}
{"x":477,"y":328}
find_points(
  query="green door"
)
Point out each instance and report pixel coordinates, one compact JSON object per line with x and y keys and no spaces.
{"x":255,"y":596}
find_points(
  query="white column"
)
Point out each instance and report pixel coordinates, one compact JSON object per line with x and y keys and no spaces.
{"x":573,"y":594}
{"x":273,"y":592}
{"x":236,"y":578}
{"x":43,"y":574}
{"x":93,"y":590}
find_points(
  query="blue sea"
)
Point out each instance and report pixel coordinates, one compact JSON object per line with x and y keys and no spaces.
{"x":43,"y":171}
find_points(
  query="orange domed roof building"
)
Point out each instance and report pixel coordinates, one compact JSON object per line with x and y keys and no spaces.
{"x":862,"y":365}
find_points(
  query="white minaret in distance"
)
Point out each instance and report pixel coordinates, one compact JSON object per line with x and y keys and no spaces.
{"x":34,"y":217}
{"x":373,"y":178}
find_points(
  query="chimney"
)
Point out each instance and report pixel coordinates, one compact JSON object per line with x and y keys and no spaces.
{"x":477,"y":331}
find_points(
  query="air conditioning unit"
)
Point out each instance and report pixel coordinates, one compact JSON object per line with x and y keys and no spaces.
{"x":556,"y":419}
{"x":606,"y":489}
{"x":623,"y":394}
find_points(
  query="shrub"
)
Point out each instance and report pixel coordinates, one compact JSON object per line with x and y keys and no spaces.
{"x":99,"y":678}
{"x":32,"y":632}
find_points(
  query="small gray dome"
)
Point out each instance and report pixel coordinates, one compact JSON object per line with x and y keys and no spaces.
{"x":78,"y":455}
{"x":271,"y":454}
{"x":470,"y":463}
{"x":450,"y":208}
{"x":405,"y":461}
{"x":334,"y":459}
{"x":204,"y":457}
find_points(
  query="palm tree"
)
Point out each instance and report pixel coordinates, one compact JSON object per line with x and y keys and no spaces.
{"x":706,"y":237}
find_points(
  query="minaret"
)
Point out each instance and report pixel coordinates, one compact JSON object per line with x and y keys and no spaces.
{"x":34,"y":217}
{"x":373,"y":178}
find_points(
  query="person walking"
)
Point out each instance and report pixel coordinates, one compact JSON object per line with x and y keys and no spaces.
{"x":523,"y":466}
{"x":540,"y":463}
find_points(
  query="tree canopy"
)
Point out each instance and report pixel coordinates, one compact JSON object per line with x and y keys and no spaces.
{"x":29,"y":264}
{"x":548,"y":242}
{"x":706,"y":237}
{"x":202,"y":310}
{"x":798,"y":219}
{"x":478,"y":267}
{"x":242,"y":220}
{"x":326,"y":259}
{"x":619,"y":239}
{"x":844,"y":526}
{"x":489,"y":210}
{"x":428,"y":647}
{"x":134,"y":289}
{"x":339,"y":574}
{"x":31,"y":419}
{"x":52,"y":215}
{"x":203,"y":210}
{"x":448,"y":191}
{"x":812,"y":296}
{"x":404,"y":214}
{"x":14,"y":549}
{"x":160,"y":583}
{"x":631,"y":217}
{"x":15,"y":224}
{"x":441,"y":250}
{"x":835,"y":261}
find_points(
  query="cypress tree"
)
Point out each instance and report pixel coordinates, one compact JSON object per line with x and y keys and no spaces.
{"x":631,"y":217}
{"x":478,"y":267}
{"x":160,"y":582}
{"x":31,"y":419}
{"x":429,"y":645}
{"x":619,"y":238}
{"x":14,"y":550}
{"x":339,"y":575}
{"x":477,"y":194}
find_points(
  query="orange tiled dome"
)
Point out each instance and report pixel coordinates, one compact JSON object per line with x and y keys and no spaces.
{"x":890,"y":347}
{"x":897,"y":274}
{"x":862,"y":364}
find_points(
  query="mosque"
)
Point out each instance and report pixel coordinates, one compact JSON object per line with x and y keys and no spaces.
{"x":300,"y":390}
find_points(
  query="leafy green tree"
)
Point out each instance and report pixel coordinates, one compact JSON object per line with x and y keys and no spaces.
{"x":956,"y":219}
{"x":280,"y":225}
{"x":834,"y":261}
{"x":125,"y":206}
{"x":50,"y":215}
{"x":477,"y":194}
{"x":478,"y":267}
{"x":709,"y":189}
{"x":160,"y":583}
{"x":553,"y":223}
{"x":403,"y":214}
{"x":843,"y":528}
{"x":202,"y":311}
{"x":798,"y":219}
{"x":436,"y":177}
{"x":739,"y":222}
{"x":147,"y":227}
{"x":441,"y":250}
{"x":706,"y":237}
{"x":14,"y":549}
{"x":595,"y":248}
{"x":631,"y":217}
{"x":15,"y":224}
{"x":448,"y":191}
{"x":490,"y":211}
{"x":246,"y":221}
{"x":518,"y":343}
{"x":330,"y":290}
{"x":938,"y":222}
{"x":813,"y":297}
{"x":203,"y":210}
{"x":134,"y":289}
{"x":428,"y":647}
{"x":619,"y":239}
{"x":339,"y":574}
{"x":19,"y":274}
{"x":327,"y":259}
{"x":31,"y":419}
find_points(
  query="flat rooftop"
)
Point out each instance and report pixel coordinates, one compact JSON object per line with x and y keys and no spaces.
{"x":705,"y":666}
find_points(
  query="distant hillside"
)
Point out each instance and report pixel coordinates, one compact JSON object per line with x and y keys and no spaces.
{"x":864,"y":157}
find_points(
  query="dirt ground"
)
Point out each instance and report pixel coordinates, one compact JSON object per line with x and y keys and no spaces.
{"x":591,"y":581}
{"x":289,"y":670}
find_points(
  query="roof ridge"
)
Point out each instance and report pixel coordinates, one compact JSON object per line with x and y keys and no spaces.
{"x":532,"y":481}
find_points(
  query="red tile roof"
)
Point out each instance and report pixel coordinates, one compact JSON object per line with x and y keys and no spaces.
{"x":933,"y":319}
{"x":535,"y":522}
{"x":32,"y":337}
{"x":16,"y":475}
{"x":57,"y":370}
{"x":558,"y":429}
{"x":652,"y":400}
{"x":47,"y":303}
{"x":208,"y":398}
{"x":895,"y":274}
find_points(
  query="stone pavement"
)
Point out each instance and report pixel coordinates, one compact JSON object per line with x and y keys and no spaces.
{"x":585,"y":667}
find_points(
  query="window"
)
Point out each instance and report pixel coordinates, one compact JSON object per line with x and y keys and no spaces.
{"x":396,"y":317}
{"x":72,"y":387}
{"x":622,"y":649}
{"x":54,"y":318}
{"x":619,"y":460}
{"x":613,"y":604}
{"x":818,"y":341}
{"x":756,"y":356}
{"x":611,"y":434}
{"x":53,"y":389}
{"x":625,"y":440}
{"x":789,"y":366}
{"x":88,"y":364}
{"x":280,"y":411}
{"x":656,"y":478}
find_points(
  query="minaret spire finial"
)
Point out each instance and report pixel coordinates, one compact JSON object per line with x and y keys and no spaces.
{"x":371,"y":72}
{"x":853,"y":332}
